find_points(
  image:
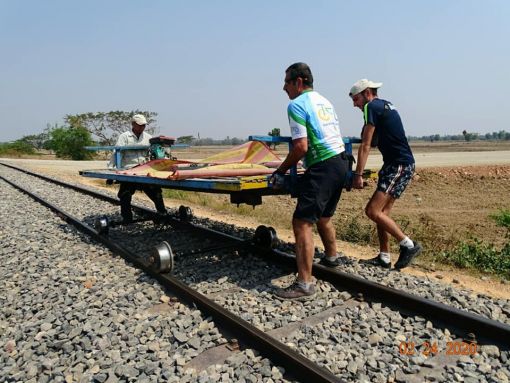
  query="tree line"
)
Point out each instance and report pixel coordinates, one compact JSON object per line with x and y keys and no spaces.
{"x":103,"y":128}
{"x":502,"y":135}
{"x":89,"y":129}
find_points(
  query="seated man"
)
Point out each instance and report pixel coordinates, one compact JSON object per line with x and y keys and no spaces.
{"x":131,"y":158}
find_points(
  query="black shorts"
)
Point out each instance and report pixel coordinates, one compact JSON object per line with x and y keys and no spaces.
{"x":319,"y":189}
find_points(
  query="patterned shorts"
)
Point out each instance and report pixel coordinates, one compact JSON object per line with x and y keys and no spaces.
{"x":393,"y":179}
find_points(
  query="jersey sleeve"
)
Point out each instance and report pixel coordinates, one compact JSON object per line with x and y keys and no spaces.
{"x":297,"y":120}
{"x":371,"y":111}
{"x":369,"y":114}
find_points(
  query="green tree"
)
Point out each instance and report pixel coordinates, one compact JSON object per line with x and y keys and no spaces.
{"x":236,"y":141}
{"x":36,"y":141}
{"x":69,"y":142}
{"x":469,"y":136}
{"x":107,"y":126}
{"x":274,"y":133}
{"x":185,"y":139}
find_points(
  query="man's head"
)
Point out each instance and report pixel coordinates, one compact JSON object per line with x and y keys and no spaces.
{"x":298,"y":78}
{"x":138,"y":123}
{"x":363,"y":91}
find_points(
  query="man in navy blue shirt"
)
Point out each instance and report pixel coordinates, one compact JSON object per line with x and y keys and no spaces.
{"x":383,"y":128}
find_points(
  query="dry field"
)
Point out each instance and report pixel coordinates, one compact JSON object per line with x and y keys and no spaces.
{"x":448,"y":201}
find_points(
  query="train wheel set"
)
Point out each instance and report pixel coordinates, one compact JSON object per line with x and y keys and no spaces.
{"x":162,"y":258}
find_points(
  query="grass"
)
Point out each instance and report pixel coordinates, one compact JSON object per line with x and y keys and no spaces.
{"x":476,"y":254}
{"x":356,"y":230}
{"x":502,"y":218}
{"x":12,"y":153}
{"x":481,"y":256}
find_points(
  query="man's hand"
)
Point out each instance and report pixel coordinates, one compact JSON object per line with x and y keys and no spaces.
{"x":357,"y":181}
{"x":277,"y":179}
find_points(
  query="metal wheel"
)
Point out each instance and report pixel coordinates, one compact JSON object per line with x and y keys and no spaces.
{"x":265,"y":237}
{"x":161,"y":258}
{"x":101,"y":225}
{"x":185,"y":213}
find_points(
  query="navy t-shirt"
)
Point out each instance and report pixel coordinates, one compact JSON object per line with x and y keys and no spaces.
{"x":392,"y":140}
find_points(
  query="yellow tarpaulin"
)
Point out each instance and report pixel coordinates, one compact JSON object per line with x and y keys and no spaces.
{"x":252,"y":152}
{"x":249,"y":159}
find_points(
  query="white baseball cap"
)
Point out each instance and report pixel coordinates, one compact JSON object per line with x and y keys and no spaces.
{"x":360,"y":85}
{"x":139,"y":119}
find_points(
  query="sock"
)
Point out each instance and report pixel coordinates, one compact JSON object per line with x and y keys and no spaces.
{"x":333,"y":257}
{"x":406,"y":242}
{"x":305,"y":285}
{"x":385,"y":257}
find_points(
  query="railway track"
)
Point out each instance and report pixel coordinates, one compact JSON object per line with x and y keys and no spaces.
{"x":354,"y":330}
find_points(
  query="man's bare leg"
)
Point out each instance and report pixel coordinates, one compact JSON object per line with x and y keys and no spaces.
{"x":375,"y":211}
{"x":327,"y":233}
{"x":304,"y":249}
{"x":384,"y":238}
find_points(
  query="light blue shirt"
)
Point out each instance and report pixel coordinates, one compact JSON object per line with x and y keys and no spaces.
{"x":312,"y":116}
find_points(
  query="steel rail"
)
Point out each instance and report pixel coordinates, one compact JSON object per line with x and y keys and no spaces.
{"x":295,"y":364}
{"x":65,"y":184}
{"x":465,"y":323}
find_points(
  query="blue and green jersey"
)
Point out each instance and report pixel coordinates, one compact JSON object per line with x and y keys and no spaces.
{"x":313,"y":116}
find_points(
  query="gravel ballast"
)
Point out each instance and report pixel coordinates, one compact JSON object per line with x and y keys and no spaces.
{"x":69,"y":304}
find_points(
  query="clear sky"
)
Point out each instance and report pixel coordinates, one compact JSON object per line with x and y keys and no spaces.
{"x":216,"y":68}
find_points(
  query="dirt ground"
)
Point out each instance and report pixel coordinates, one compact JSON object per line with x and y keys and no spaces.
{"x":455,"y":200}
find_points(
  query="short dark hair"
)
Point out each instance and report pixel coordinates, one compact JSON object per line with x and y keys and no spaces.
{"x":373,"y":91}
{"x":301,"y":70}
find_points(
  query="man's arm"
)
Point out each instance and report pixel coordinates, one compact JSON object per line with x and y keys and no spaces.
{"x":299,"y":149}
{"x":364,"y":149}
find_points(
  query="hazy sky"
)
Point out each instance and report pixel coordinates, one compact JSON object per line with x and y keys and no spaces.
{"x":216,"y":68}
